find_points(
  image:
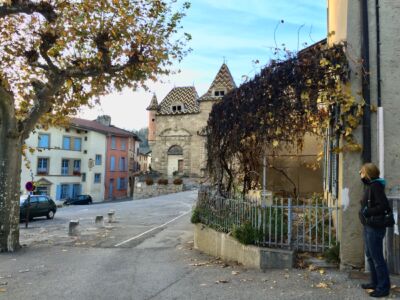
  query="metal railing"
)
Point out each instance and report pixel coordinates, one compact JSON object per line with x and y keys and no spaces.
{"x":301,"y":224}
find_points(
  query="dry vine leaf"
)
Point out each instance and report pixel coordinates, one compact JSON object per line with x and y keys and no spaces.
{"x":322,"y":285}
{"x":222,"y":281}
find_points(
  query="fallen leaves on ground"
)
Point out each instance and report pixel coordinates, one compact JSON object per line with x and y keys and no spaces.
{"x":312,"y":268}
{"x":235,"y":272}
{"x":222,"y":281}
{"x":2,"y":290}
{"x":24,"y":271}
{"x":322,"y":285}
{"x":199,"y":264}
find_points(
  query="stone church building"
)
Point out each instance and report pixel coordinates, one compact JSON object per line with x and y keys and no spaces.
{"x":176,"y":125}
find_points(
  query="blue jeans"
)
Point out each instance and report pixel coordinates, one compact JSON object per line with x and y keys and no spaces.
{"x":373,"y":238}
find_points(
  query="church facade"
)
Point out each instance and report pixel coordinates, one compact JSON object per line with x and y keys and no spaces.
{"x":176,"y":127}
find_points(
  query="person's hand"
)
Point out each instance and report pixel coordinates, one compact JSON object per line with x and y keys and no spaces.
{"x":365,"y":212}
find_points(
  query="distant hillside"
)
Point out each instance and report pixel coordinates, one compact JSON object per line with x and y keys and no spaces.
{"x":144,"y":144}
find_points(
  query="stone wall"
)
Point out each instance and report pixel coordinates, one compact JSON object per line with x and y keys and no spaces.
{"x":181,"y":130}
{"x":142,"y":190}
{"x":345,"y":22}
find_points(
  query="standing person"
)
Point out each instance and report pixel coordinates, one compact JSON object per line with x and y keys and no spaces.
{"x":374,"y":203}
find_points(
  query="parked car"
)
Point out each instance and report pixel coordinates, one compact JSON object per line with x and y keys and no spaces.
{"x":40,"y":206}
{"x":79,"y":200}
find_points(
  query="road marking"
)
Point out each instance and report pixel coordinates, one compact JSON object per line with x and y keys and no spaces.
{"x":150,"y":230}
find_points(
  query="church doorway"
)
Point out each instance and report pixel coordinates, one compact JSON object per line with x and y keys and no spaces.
{"x":175,"y":160}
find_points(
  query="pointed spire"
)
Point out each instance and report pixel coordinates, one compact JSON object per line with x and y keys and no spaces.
{"x":153,"y":104}
{"x":223,"y":80}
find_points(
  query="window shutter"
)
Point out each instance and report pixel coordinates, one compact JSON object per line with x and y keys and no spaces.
{"x":58,"y":192}
{"x":112,"y":163}
{"x":70,"y":190}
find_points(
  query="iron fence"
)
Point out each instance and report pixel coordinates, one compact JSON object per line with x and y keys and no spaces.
{"x":300,"y":224}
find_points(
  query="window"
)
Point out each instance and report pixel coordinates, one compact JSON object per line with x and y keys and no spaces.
{"x":76,"y":190}
{"x":113,"y":142}
{"x":176,"y":108}
{"x":83,"y":177}
{"x":66,"y":143}
{"x":137,"y":151}
{"x":65,"y":167}
{"x":33,"y":200}
{"x":43,"y":199}
{"x":98,"y":160}
{"x":77,"y":144}
{"x":112,"y":163}
{"x":123,"y":144}
{"x":219,"y":93}
{"x":97,"y":178}
{"x":42,"y":190}
{"x":44,"y":141}
{"x":43,"y":166}
{"x":64,"y":191}
{"x":77,"y":167}
{"x":121,"y":183}
{"x":122,"y":166}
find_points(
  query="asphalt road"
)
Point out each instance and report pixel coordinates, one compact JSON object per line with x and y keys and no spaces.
{"x":146,"y":254}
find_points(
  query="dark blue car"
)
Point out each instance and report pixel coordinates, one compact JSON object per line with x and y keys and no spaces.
{"x":79,"y":200}
{"x":40,"y":206}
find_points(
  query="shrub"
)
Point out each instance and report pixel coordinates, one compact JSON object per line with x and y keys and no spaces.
{"x":332,"y":255}
{"x":178,"y":181}
{"x":162,"y":181}
{"x":175,"y":173}
{"x":149,"y":181}
{"x":195,"y":216}
{"x":246,"y":234}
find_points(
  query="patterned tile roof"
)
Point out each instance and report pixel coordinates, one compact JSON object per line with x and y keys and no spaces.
{"x":222,"y":81}
{"x":186,"y":96}
{"x":153,"y":104}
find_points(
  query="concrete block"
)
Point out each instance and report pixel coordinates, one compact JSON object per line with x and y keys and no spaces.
{"x":111,"y":216}
{"x":222,"y":245}
{"x":99,"y":221}
{"x":73,"y":228}
{"x":276,"y":258}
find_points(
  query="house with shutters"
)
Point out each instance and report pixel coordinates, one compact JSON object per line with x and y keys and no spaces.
{"x":176,"y":126}
{"x":86,"y":157}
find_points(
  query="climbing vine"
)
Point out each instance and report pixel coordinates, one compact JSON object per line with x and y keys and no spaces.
{"x":303,"y":93}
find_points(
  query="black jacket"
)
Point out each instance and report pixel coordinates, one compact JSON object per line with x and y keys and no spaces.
{"x":378,"y":203}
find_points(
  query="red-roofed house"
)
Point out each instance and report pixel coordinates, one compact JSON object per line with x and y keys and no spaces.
{"x":87,"y":157}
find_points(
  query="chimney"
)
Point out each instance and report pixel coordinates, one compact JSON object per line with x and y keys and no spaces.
{"x":104,"y":120}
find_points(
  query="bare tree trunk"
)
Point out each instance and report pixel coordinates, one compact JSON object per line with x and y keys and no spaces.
{"x":10,"y":174}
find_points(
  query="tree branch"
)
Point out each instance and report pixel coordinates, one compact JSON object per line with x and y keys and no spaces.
{"x":28,"y":7}
{"x":93,"y":71}
{"x":288,"y":178}
{"x":7,"y":115}
{"x":43,"y":104}
{"x":48,"y":40}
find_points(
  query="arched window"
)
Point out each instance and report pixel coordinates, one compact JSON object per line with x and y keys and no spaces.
{"x":175,"y":150}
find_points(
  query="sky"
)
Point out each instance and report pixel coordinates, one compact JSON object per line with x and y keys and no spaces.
{"x":238,"y":32}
